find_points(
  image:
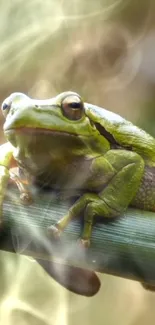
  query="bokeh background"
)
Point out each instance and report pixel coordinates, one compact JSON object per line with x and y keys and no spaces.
{"x":104,"y":50}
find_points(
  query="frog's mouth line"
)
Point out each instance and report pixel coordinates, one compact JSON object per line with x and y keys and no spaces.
{"x":38,"y":131}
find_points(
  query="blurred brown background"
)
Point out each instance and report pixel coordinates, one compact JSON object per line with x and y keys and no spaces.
{"x":104,"y":50}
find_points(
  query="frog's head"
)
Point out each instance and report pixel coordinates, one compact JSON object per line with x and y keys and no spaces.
{"x":63,"y":114}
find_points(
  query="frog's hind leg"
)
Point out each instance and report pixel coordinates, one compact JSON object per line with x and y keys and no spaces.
{"x":117,"y":195}
{"x":114,"y":199}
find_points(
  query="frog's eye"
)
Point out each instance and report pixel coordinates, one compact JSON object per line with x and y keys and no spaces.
{"x":5,"y":108}
{"x":72,"y":107}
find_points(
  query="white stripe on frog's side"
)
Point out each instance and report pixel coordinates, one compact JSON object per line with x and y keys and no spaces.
{"x":124,"y":132}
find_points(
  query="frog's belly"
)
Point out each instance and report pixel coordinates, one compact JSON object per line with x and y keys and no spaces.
{"x":78,"y":176}
{"x":65,"y":175}
{"x":74,"y":176}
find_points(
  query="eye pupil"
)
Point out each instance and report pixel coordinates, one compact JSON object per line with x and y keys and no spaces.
{"x":74,"y":105}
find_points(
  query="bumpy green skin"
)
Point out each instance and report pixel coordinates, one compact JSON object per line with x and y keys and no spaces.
{"x":111,"y":161}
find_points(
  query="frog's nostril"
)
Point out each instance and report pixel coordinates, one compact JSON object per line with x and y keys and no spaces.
{"x":5,"y":106}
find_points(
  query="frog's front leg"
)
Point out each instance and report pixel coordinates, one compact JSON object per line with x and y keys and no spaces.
{"x":22,"y":184}
{"x":6,"y":159}
{"x":112,"y":201}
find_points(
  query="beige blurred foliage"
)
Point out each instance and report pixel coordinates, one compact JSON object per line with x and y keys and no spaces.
{"x":104,"y":50}
{"x":29,"y":296}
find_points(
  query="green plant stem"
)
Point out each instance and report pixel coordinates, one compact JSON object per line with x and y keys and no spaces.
{"x":124,"y":247}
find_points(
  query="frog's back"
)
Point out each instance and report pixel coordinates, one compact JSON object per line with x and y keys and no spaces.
{"x":122,"y":132}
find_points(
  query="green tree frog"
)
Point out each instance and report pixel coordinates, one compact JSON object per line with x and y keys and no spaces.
{"x":71,"y":145}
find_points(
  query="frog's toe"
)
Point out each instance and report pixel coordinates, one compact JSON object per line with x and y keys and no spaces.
{"x":84,"y":242}
{"x":54,"y":232}
{"x":26,"y":198}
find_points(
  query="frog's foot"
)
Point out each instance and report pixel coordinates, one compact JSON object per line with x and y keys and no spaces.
{"x":22,"y":184}
{"x":84,"y":242}
{"x":54,"y":231}
{"x":26,"y":198}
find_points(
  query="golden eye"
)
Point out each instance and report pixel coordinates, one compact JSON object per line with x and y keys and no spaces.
{"x":5,"y":108}
{"x":72,"y":107}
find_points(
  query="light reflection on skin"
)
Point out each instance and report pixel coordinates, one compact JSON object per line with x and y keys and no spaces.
{"x":53,"y":304}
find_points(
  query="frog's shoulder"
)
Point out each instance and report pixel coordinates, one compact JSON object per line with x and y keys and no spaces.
{"x":121,"y":131}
